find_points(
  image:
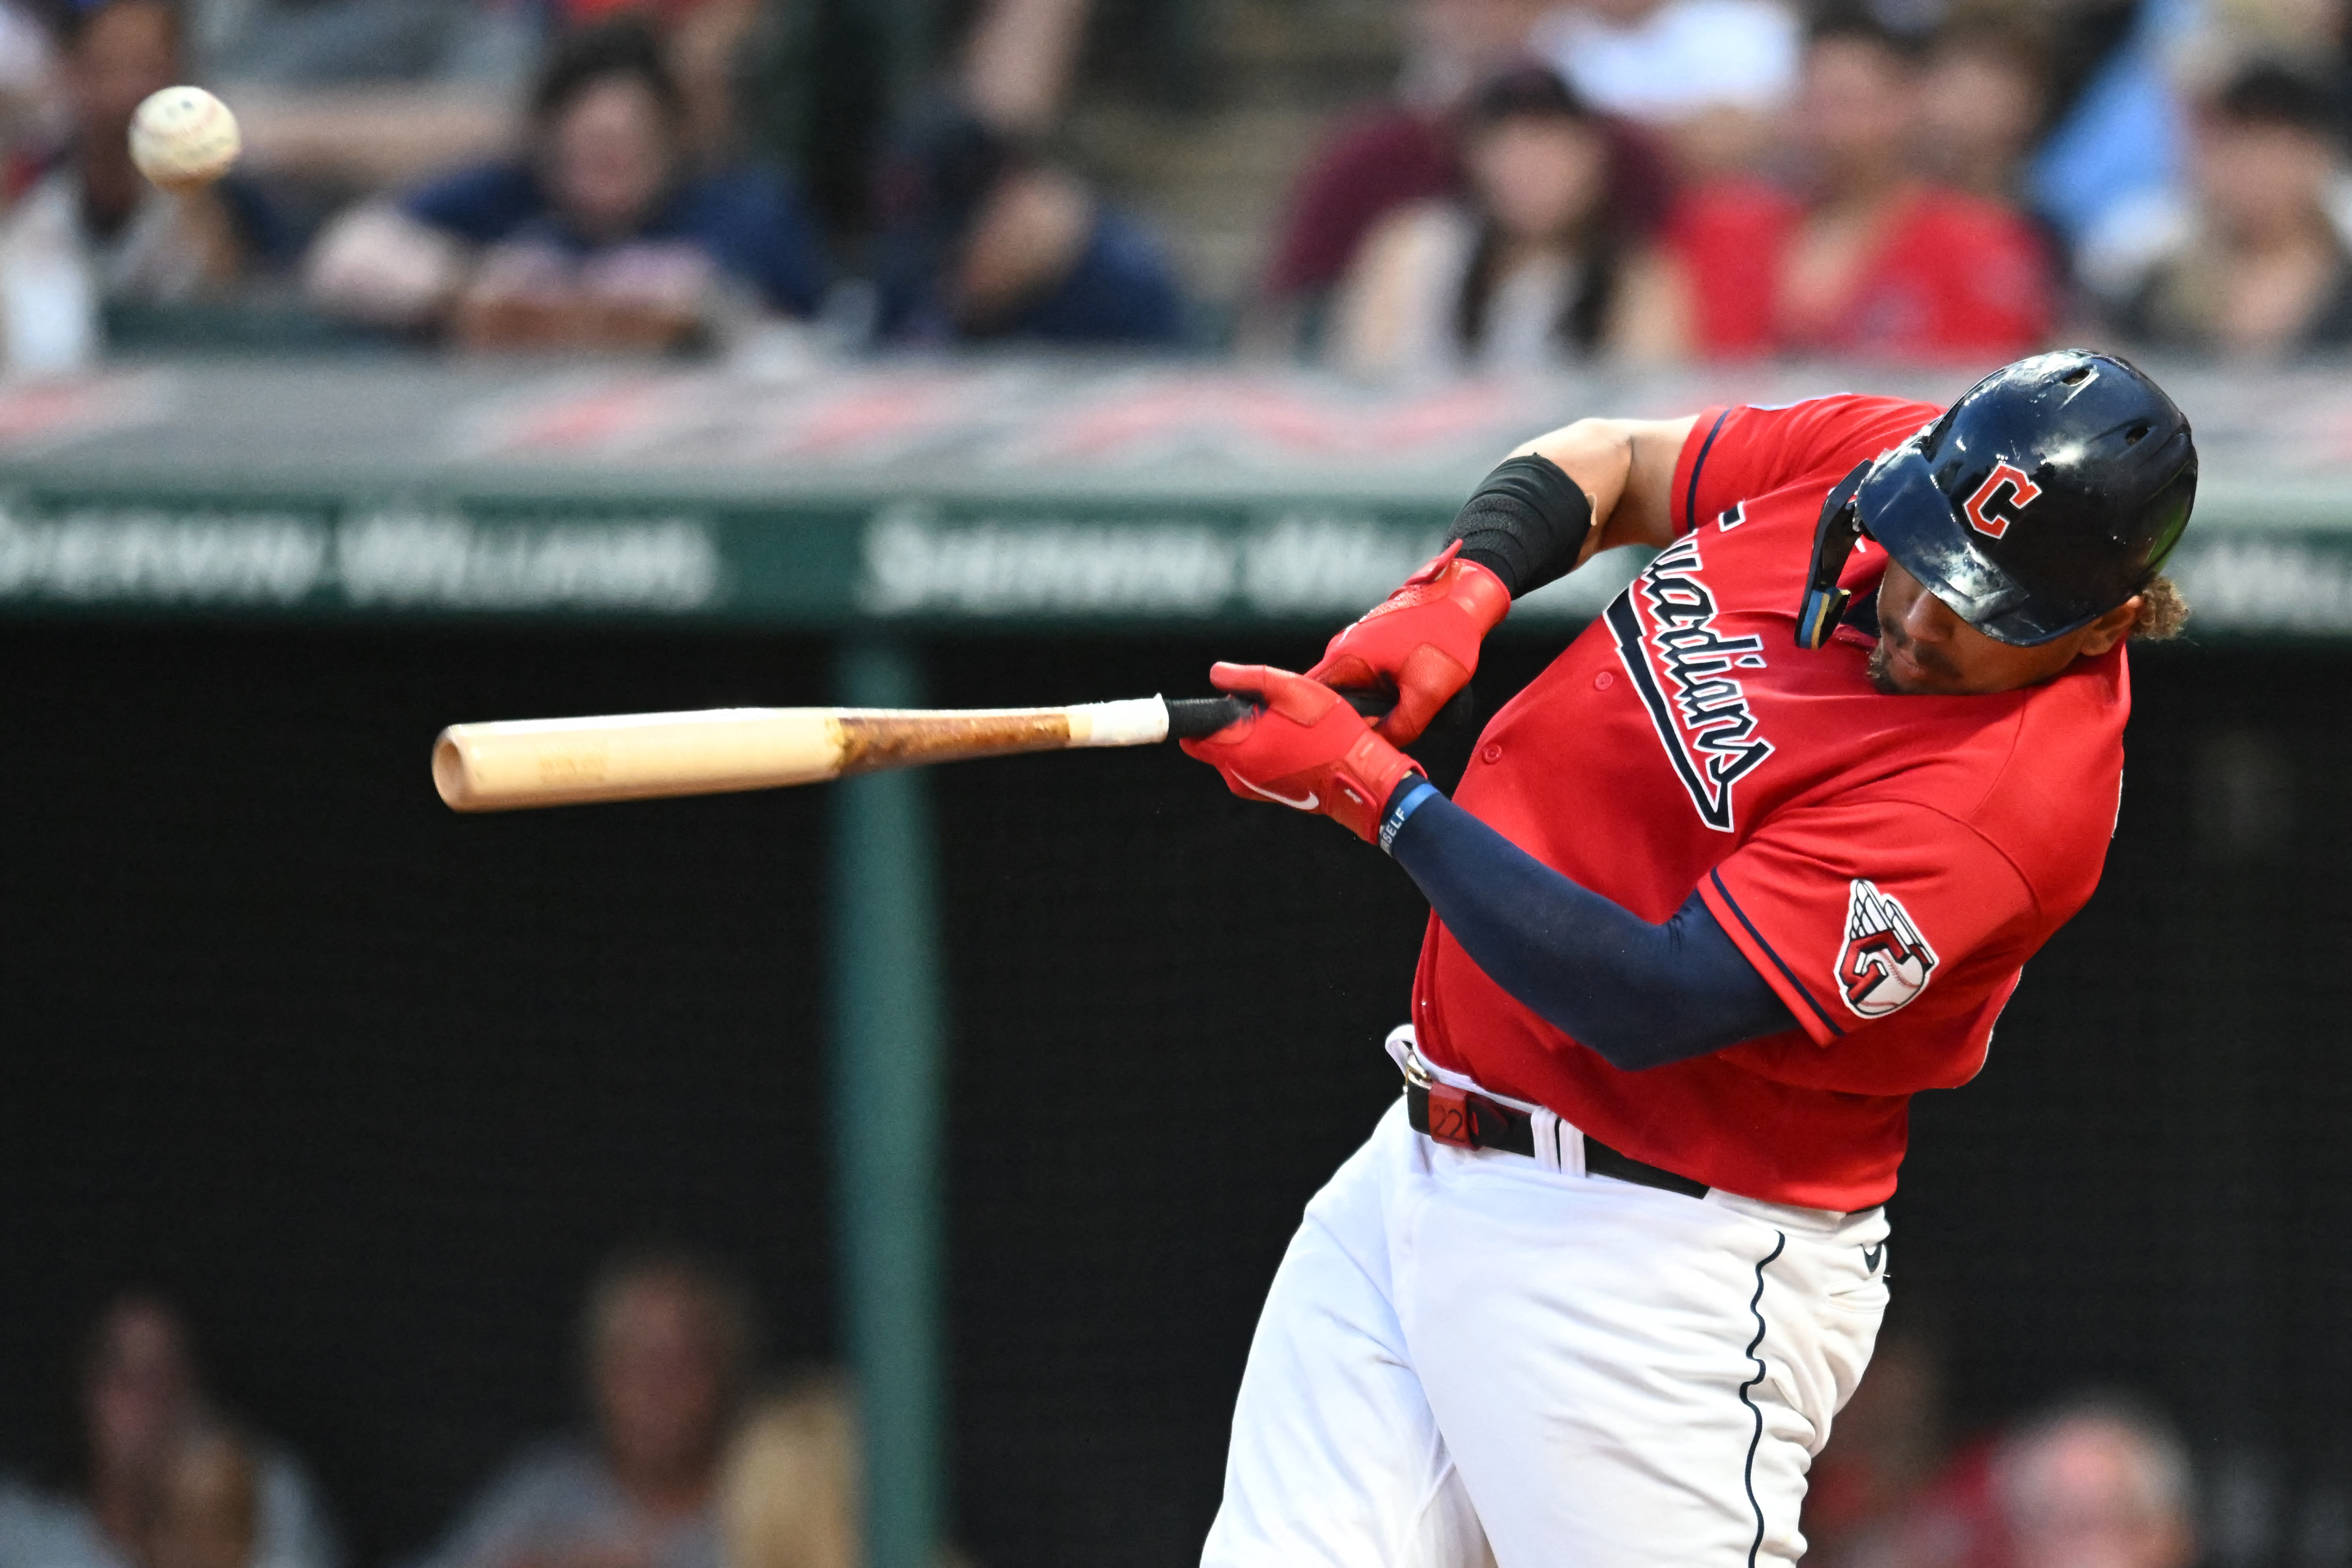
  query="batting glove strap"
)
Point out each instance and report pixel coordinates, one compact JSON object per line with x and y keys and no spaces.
{"x":1421,"y":642}
{"x":1304,"y":748}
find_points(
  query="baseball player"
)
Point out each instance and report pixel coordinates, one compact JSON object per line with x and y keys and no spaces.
{"x":1758,"y":858}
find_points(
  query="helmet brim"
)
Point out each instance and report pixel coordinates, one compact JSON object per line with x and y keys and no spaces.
{"x":1902,"y":508}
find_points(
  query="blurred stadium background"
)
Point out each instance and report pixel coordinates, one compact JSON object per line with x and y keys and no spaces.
{"x":549,"y":357}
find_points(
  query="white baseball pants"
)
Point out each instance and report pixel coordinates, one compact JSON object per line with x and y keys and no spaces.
{"x":1467,"y":1359}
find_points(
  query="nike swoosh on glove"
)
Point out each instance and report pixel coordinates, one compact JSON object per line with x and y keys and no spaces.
{"x":1422,"y":641}
{"x":1305,"y":749}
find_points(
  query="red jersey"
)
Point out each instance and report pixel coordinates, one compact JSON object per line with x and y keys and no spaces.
{"x":1887,"y":863}
{"x":1953,"y":275}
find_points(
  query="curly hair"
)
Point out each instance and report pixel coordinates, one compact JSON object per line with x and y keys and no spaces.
{"x":2163,"y":609}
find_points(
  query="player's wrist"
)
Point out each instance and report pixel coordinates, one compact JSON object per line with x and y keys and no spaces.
{"x":1480,"y":592}
{"x":1411,"y":793}
{"x":1526,"y":523}
{"x":1371,"y":776}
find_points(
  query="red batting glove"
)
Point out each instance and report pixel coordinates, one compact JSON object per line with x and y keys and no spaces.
{"x":1422,"y":640}
{"x":1305,"y":749}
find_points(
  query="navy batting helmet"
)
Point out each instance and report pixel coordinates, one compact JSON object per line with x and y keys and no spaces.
{"x":2049,"y":494}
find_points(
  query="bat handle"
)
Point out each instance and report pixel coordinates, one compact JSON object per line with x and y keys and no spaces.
{"x":1193,"y":718}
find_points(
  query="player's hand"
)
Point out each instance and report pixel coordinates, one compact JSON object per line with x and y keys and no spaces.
{"x":1422,"y":641}
{"x":1305,"y":749}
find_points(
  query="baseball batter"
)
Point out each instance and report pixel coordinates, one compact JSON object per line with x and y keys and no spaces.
{"x":1760,"y":855}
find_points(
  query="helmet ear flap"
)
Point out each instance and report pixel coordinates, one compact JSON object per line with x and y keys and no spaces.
{"x":1834,"y":541}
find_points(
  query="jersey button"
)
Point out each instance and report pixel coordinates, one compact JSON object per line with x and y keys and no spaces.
{"x":1492,"y":753}
{"x":1604,"y":680}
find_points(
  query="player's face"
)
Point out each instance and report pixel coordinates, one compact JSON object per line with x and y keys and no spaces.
{"x":1926,"y":651}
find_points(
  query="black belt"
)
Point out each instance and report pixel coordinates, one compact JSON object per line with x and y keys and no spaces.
{"x":1471,"y":1120}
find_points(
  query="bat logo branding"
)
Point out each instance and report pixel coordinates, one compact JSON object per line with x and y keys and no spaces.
{"x":1885,"y":962}
{"x":1979,"y":507}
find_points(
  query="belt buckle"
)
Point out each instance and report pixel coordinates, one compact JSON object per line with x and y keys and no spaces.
{"x":1464,"y":1119}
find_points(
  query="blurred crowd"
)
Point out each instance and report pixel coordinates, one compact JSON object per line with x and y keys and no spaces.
{"x":1966,"y":180}
{"x":2099,"y":1480}
{"x":686,"y":1459}
{"x":1551,"y":182}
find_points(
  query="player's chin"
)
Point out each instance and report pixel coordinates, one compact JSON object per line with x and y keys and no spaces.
{"x":1895,"y":675}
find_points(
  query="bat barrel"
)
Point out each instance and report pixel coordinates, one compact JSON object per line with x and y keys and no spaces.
{"x":564,"y":762}
{"x":638,"y":756}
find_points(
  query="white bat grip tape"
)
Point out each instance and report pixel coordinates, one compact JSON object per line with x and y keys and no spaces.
{"x":1138,"y":721}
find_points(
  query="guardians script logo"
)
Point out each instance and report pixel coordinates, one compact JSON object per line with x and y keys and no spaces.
{"x":1885,"y":962}
{"x":1665,"y":625}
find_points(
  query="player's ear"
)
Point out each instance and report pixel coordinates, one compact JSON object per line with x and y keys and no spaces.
{"x":2111,"y":628}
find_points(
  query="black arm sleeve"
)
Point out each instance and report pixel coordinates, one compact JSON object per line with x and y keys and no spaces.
{"x":1525,"y":524}
{"x":1640,"y":995}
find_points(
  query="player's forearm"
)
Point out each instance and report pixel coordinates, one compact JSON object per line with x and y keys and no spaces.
{"x":1527,"y":524}
{"x":1627,"y":467}
{"x":1535,"y":520}
{"x":1640,"y":995}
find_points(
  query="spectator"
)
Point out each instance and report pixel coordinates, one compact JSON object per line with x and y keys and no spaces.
{"x":1397,"y":153}
{"x":2260,"y":272}
{"x":1405,"y":153}
{"x":668,"y":1342}
{"x":1982,"y":99}
{"x":91,"y":230}
{"x":789,"y":1494}
{"x":1529,"y":269}
{"x":158,"y":1482}
{"x":32,"y":107}
{"x":2100,"y":1483}
{"x":986,"y":240}
{"x":1872,"y":262}
{"x":1711,"y":76}
{"x":2107,"y":170}
{"x":603,"y":236}
{"x":705,"y":42}
{"x":208,"y":1511}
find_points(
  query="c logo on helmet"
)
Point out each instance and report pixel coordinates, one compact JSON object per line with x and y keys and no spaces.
{"x":1979,"y":507}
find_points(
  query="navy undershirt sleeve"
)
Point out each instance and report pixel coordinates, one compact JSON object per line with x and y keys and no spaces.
{"x":1640,"y":995}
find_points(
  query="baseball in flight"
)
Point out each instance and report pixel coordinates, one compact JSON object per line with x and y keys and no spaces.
{"x":183,"y":138}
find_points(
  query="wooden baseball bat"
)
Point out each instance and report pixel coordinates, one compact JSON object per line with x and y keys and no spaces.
{"x":641,"y":756}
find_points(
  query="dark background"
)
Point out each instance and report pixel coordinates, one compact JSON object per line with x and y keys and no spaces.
{"x":368,"y":1087}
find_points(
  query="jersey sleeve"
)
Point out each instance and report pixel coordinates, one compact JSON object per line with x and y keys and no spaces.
{"x":1736,"y":452}
{"x":1853,"y":911}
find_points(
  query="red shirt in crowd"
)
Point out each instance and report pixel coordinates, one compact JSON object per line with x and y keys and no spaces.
{"x":1953,"y":276}
{"x":1887,"y":863}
